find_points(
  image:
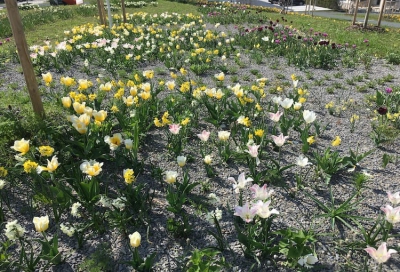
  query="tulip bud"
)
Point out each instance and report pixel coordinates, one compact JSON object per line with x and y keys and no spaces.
{"x":135,"y":239}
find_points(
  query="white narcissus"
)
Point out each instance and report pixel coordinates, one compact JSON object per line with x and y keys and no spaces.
{"x":307,"y":260}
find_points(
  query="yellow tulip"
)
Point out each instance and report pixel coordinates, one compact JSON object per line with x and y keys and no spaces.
{"x":78,"y":107}
{"x":66,"y":101}
{"x":48,"y":78}
{"x":99,"y":116}
{"x":21,"y":146}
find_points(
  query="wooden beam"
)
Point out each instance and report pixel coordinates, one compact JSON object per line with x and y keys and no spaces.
{"x":24,"y":57}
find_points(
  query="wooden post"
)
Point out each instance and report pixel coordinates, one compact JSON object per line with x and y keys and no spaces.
{"x":367,"y":14}
{"x":110,"y":21}
{"x":102,"y":16}
{"x":123,"y":10}
{"x":355,"y":12}
{"x":25,"y":59}
{"x":100,"y":12}
{"x":381,"y":12}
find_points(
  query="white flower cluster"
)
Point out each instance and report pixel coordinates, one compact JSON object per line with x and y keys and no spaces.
{"x":217,"y":214}
{"x":14,"y":230}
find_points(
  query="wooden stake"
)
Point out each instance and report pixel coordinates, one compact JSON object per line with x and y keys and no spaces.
{"x":355,"y":12}
{"x":367,"y":14}
{"x":23,"y":54}
{"x":381,"y":12}
{"x":100,"y":12}
{"x":123,"y":10}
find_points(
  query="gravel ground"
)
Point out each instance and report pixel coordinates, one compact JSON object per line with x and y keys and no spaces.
{"x":296,"y":209}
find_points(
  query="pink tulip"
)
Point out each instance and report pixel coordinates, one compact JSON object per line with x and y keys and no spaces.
{"x":382,"y":254}
{"x":204,"y":135}
{"x":241,"y":182}
{"x":263,"y":210}
{"x":392,"y":214}
{"x":394,"y":198}
{"x":245,"y":212}
{"x":174,"y":128}
{"x":279,"y":140}
{"x":275,"y":116}
{"x":261,"y":193}
{"x":253,"y":150}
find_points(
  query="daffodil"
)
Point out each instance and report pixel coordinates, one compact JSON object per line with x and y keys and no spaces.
{"x":337,"y":141}
{"x":129,"y":176}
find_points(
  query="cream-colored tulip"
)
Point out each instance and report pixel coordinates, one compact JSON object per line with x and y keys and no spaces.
{"x":41,"y":223}
{"x":135,"y":239}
